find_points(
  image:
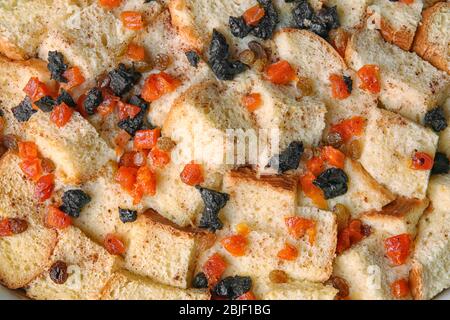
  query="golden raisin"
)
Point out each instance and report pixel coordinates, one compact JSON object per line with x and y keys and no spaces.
{"x":334,"y":139}
{"x":305,"y":86}
{"x":342,"y":216}
{"x":247,"y":56}
{"x":162,"y":61}
{"x":260,"y":64}
{"x":258,"y":49}
{"x":354,"y":149}
{"x":278,"y":276}
{"x":165,"y":144}
{"x":341,"y":285}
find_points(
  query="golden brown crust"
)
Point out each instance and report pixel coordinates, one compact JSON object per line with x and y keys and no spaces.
{"x":398,"y":208}
{"x":11,"y":51}
{"x":403,"y":37}
{"x":283,"y":182}
{"x":416,"y":281}
{"x":427,"y":50}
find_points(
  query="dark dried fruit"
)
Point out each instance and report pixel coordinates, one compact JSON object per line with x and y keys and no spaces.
{"x":258,"y":49}
{"x":56,"y":66}
{"x":267,"y":25}
{"x":200,"y":281}
{"x":131,"y":125}
{"x":74,"y":201}
{"x":65,"y":97}
{"x":24,"y":110}
{"x":303,"y":14}
{"x":127,"y":215}
{"x":329,"y":16}
{"x":435,"y":119}
{"x":238,"y":27}
{"x":18,"y":225}
{"x":93,"y":99}
{"x":320,"y":23}
{"x":349,"y":83}
{"x":333,"y":182}
{"x":58,"y":272}
{"x":137,"y":100}
{"x":9,"y":141}
{"x":233,"y":287}
{"x":214,"y":201}
{"x":223,"y":68}
{"x":341,"y":285}
{"x":193,"y":58}
{"x":441,"y":164}
{"x":289,"y":159}
{"x":46,"y":104}
{"x":123,"y":79}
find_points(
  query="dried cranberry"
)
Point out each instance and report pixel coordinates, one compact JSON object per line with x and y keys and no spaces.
{"x":58,"y":272}
{"x":56,"y":66}
{"x":333,"y":182}
{"x":289,"y":159}
{"x":46,"y":104}
{"x":74,"y":201}
{"x":233,"y":287}
{"x":193,"y":58}
{"x":214,"y":201}
{"x":24,"y":110}
{"x":93,"y":99}
{"x":435,"y":119}
{"x":200,"y":281}
{"x":441,"y":164}
{"x":123,"y":79}
{"x":65,"y":97}
{"x":127,"y":215}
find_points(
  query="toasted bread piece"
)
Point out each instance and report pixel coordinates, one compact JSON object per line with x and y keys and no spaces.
{"x":160,"y":250}
{"x":409,"y":85}
{"x":199,"y":122}
{"x":438,"y":192}
{"x":299,"y":290}
{"x":314,"y":262}
{"x":400,"y":216}
{"x":399,"y":21}
{"x":431,"y":261}
{"x":177,"y":201}
{"x":126,"y":286}
{"x":76,"y":149}
{"x":22,"y":256}
{"x":261,"y":203}
{"x":14,"y":75}
{"x":429,"y":3}
{"x":316,"y":59}
{"x":364,"y":192}
{"x":392,"y":140}
{"x":433,"y":36}
{"x":89,"y":267}
{"x":367,"y":270}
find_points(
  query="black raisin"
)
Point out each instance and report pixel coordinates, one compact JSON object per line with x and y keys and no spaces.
{"x":56,"y":66}
{"x":333,"y":182}
{"x":93,"y":99}
{"x":214,"y":201}
{"x":137,"y":100}
{"x":127,"y":215}
{"x":123,"y":79}
{"x":435,"y":119}
{"x":131,"y":125}
{"x":193,"y":58}
{"x":318,"y":27}
{"x":329,"y":16}
{"x":200,"y":281}
{"x":58,"y":272}
{"x":24,"y":110}
{"x":349,"y":83}
{"x":233,"y":287}
{"x":238,"y":27}
{"x":46,"y":104}
{"x":268,"y":23}
{"x":441,"y":164}
{"x":303,"y":14}
{"x":74,"y":201}
{"x":223,"y":68}
{"x":65,"y":97}
{"x":289,"y":159}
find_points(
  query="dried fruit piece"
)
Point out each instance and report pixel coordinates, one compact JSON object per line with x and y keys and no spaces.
{"x":146,"y":139}
{"x":132,"y":20}
{"x":349,"y":128}
{"x":289,"y":159}
{"x":298,"y":226}
{"x":214,"y":201}
{"x":233,"y":287}
{"x":36,"y":89}
{"x":370,"y":78}
{"x":126,"y":177}
{"x":267,"y":25}
{"x":110,"y":4}
{"x":65,"y":97}
{"x":122,"y":79}
{"x":278,"y":276}
{"x":253,"y":15}
{"x":281,"y":73}
{"x":44,"y":187}
{"x":113,"y":244}
{"x":436,"y":120}
{"x":57,"y":219}
{"x":313,"y":192}
{"x":135,"y":52}
{"x":315,"y":165}
{"x":12,"y":226}
{"x":192,"y":174}
{"x":400,"y":288}
{"x":162,"y":61}
{"x":441,"y":164}
{"x":397,"y":248}
{"x":248,"y":57}
{"x":27,"y":150}
{"x":333,"y":182}
{"x":58,"y":272}
{"x":333,"y":157}
{"x":341,"y":285}
{"x":46,"y":104}
{"x":127,"y":215}
{"x":159,"y":158}
{"x":74,"y":78}
{"x":31,"y":168}
{"x":193,"y":58}
{"x":242,"y":229}
{"x":73,"y":202}
{"x":342,"y":215}
{"x":56,"y":66}
{"x":157,"y":85}
{"x":214,"y":268}
{"x":235,"y":245}
{"x":93,"y":99}
{"x":24,"y":110}
{"x":422,"y":161}
{"x":61,"y":115}
{"x":252,"y":101}
{"x":289,"y":252}
{"x":200,"y":281}
{"x":341,"y":86}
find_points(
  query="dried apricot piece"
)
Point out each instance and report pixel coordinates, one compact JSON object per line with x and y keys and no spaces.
{"x":61,"y":115}
{"x":192,"y":174}
{"x":252,"y":101}
{"x":253,"y":15}
{"x":132,"y":20}
{"x":289,"y":252}
{"x":235,"y":245}
{"x":214,"y":268}
{"x":281,"y":72}
{"x":397,"y":248}
{"x":57,"y":219}
{"x":44,"y":187}
{"x":113,"y":244}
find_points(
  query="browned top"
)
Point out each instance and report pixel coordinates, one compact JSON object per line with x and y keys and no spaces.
{"x":286,"y":182}
{"x":399,"y":207}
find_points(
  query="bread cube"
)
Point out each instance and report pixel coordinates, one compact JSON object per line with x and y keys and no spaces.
{"x":431,"y":260}
{"x":409,"y":85}
{"x":389,"y":144}
{"x":439,"y":192}
{"x":261,"y":203}
{"x":76,"y":149}
{"x":351,"y":12}
{"x":300,"y":290}
{"x":367,"y":271}
{"x":158,"y":249}
{"x":89,"y":268}
{"x":398,"y":217}
{"x":126,"y":286}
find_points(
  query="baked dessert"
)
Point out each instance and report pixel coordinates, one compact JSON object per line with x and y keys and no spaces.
{"x":247,"y":149}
